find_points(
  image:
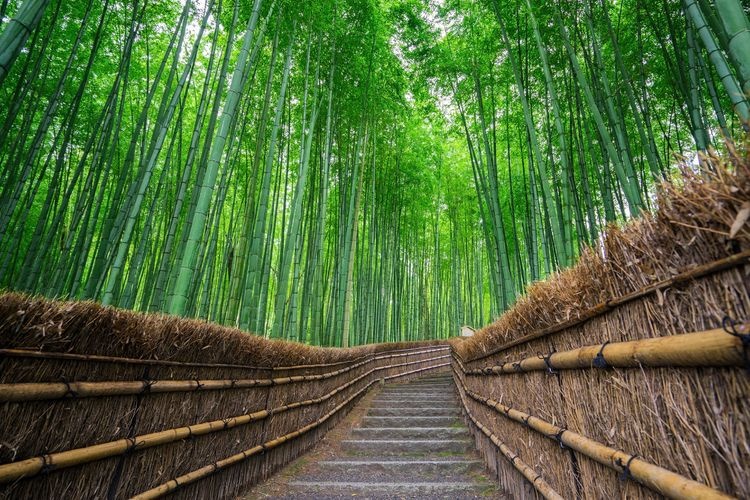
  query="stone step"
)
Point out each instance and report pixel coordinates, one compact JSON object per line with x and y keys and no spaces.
{"x":411,"y":421}
{"x":422,"y":394}
{"x":345,"y":489}
{"x":336,"y":489}
{"x":439,"y":385}
{"x":387,"y":411}
{"x":407,"y":446}
{"x":414,"y":403}
{"x":417,"y":395}
{"x":393,"y":469}
{"x":392,"y":433}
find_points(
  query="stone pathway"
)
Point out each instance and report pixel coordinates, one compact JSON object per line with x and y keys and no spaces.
{"x":411,"y":443}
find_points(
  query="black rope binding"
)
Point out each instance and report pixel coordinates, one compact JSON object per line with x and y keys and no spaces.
{"x":599,"y":361}
{"x":550,"y":369}
{"x":69,"y":392}
{"x":47,"y":467}
{"x":558,"y":437}
{"x":730,"y":326}
{"x":198,"y":386}
{"x":517,"y":367}
{"x":131,"y":445}
{"x":626,"y":474}
{"x":147,"y":385}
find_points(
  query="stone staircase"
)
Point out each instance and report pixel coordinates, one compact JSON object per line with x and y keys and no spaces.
{"x":411,"y":444}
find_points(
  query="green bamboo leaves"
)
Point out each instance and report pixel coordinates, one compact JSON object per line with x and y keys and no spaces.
{"x":343,"y":171}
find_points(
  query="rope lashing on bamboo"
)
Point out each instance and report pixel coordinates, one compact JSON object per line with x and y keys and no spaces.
{"x":741,"y":332}
{"x":711,"y":348}
{"x":535,"y":479}
{"x":663,"y":481}
{"x":36,"y":391}
{"x":53,"y":461}
{"x":700,"y":271}
{"x":207,"y":470}
{"x":36,"y":353}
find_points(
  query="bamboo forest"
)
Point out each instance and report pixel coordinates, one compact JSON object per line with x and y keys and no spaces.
{"x":343,"y":172}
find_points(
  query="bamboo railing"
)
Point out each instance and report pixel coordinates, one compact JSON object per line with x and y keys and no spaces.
{"x":202,"y":473}
{"x":712,"y":348}
{"x":350,"y":384}
{"x":37,"y":391}
{"x":53,"y":461}
{"x":536,"y":480}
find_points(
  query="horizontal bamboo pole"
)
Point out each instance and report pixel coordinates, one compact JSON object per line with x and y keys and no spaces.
{"x":659,"y":479}
{"x":37,"y":391}
{"x":404,"y":352}
{"x":699,"y":349}
{"x":203,"y":472}
{"x":536,"y":480}
{"x":700,"y":271}
{"x":36,"y":353}
{"x":54,"y":461}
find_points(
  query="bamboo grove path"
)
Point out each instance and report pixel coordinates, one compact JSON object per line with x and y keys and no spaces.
{"x":408,"y":441}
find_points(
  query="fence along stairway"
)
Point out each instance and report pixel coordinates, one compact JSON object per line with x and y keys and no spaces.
{"x":411,"y":444}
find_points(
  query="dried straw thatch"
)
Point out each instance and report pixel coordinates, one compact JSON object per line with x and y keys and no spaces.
{"x":100,"y":402}
{"x":682,"y":269}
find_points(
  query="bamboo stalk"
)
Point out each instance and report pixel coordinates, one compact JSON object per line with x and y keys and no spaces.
{"x":663,"y":481}
{"x":700,"y":271}
{"x":207,"y":470}
{"x":536,"y":480}
{"x":698,"y":349}
{"x":54,"y":461}
{"x":36,"y":391}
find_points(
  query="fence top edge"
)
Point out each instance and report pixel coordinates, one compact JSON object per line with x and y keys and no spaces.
{"x":696,"y":272}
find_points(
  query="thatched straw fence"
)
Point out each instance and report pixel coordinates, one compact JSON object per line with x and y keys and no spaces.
{"x":101,"y":403}
{"x":628,"y":375}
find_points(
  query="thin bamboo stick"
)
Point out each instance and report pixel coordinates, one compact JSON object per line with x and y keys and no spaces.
{"x":36,"y":391}
{"x":663,"y":481}
{"x":536,"y":480}
{"x":406,"y":352}
{"x":699,"y":349}
{"x":700,"y":271}
{"x":35,"y":353}
{"x":207,"y":470}
{"x":54,"y":461}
